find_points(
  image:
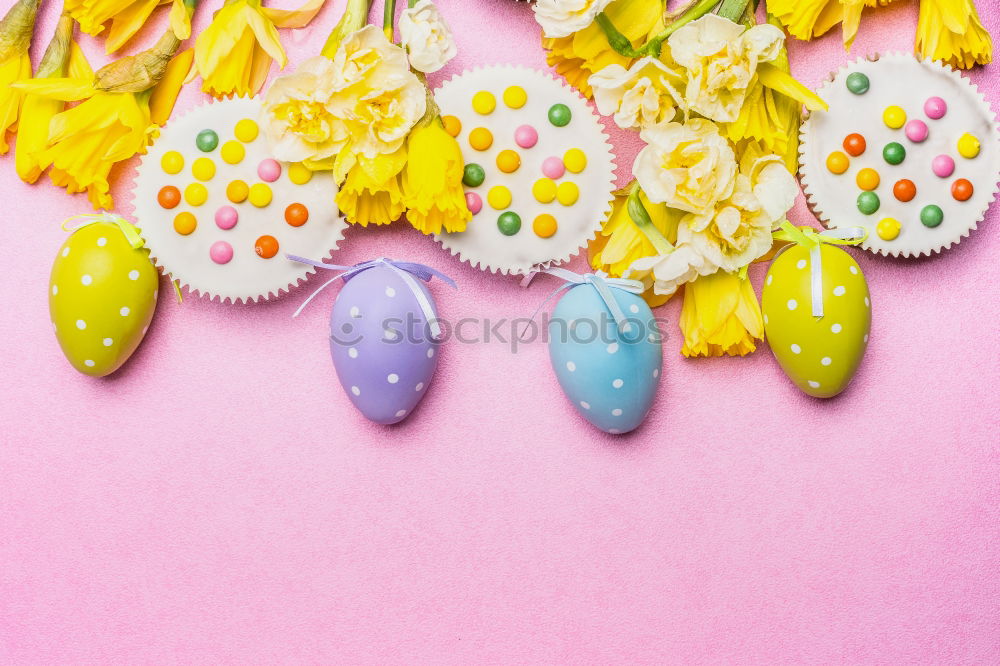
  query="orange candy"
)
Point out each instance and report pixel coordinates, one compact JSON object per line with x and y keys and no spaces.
{"x":868,"y":179}
{"x":544,"y":225}
{"x":169,"y":196}
{"x":185,"y":223}
{"x":266,"y":247}
{"x":854,"y":144}
{"x":904,"y":190}
{"x":452,"y":125}
{"x":837,"y":162}
{"x":296,"y":215}
{"x":962,"y":190}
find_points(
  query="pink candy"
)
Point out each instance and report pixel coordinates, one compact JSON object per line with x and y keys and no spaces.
{"x":526,"y":136}
{"x":916,"y":131}
{"x":474,"y":202}
{"x":269,"y":170}
{"x":226,"y":217}
{"x":935,"y":108}
{"x":553,"y":168}
{"x":221,"y":252}
{"x":943,"y":166}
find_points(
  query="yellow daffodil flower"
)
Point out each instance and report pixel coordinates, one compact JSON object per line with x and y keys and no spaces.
{"x":587,"y":51}
{"x":720,"y":316}
{"x":126,"y":18}
{"x":16,"y":30}
{"x":432,"y":180}
{"x":621,"y":242}
{"x":950,"y":30}
{"x":371,"y":193}
{"x":806,"y":19}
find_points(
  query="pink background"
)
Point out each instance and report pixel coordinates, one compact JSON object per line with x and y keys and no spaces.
{"x":218,"y":500}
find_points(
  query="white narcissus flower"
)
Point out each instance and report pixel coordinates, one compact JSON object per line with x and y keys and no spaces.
{"x":426,"y":37}
{"x":721,"y":60}
{"x":690,"y":166}
{"x":561,"y":18}
{"x":670,"y":271}
{"x":645,"y":94}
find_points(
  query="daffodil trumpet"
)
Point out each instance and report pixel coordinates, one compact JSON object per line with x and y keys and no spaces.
{"x":125,"y":17}
{"x":16,"y":30}
{"x":950,"y":31}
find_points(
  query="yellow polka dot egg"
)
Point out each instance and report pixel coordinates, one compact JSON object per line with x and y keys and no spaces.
{"x":819,"y":354}
{"x":102,"y":294}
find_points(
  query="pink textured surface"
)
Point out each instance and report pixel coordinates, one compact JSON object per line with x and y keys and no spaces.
{"x":220,"y":501}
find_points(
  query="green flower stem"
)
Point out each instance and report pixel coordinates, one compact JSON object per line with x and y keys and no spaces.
{"x":640,"y":217}
{"x":389,"y":18}
{"x":355,"y":17}
{"x":733,"y":10}
{"x":622,"y":45}
{"x":56,"y":57}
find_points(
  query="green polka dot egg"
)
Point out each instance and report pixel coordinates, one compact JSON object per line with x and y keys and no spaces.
{"x":102,"y":294}
{"x":819,"y":354}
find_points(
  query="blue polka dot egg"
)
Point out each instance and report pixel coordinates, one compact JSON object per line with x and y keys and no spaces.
{"x":609,"y":374}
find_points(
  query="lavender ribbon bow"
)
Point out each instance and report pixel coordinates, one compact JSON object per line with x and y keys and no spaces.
{"x":406,"y":270}
{"x":601,"y":283}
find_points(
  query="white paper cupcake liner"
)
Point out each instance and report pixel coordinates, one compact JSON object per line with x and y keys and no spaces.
{"x":247,"y":277}
{"x":482,"y":245}
{"x":902,"y":80}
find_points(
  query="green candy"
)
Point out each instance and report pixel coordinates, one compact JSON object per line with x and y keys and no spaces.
{"x":474,"y":175}
{"x":509,"y":223}
{"x":868,"y":202}
{"x":858,"y":83}
{"x":207,"y":141}
{"x":931,"y":216}
{"x":894,"y":153}
{"x":560,"y":115}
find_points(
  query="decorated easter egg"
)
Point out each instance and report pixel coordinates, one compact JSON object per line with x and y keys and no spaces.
{"x":819,"y":354}
{"x":610,"y":377}
{"x":381,"y":342}
{"x":102,"y":294}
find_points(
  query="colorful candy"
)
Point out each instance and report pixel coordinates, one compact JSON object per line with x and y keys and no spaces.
{"x":575,"y":160}
{"x":567,"y":193}
{"x":299,"y":173}
{"x":296,"y":214}
{"x":837,"y":162}
{"x":943,"y":166}
{"x":483,"y":102}
{"x":260,"y":195}
{"x":233,"y":152}
{"x":226,"y":217}
{"x":474,"y":202}
{"x":868,"y":179}
{"x":266,"y":247}
{"x":935,"y":108}
{"x":515,"y":97}
{"x":894,"y":153}
{"x":203,"y":169}
{"x":480,"y":138}
{"x":855,"y":144}
{"x":269,"y":170}
{"x":237,"y":191}
{"x":858,"y":83}
{"x":868,"y":203}
{"x":916,"y":131}
{"x":553,"y":168}
{"x":509,"y":223}
{"x":452,"y":125}
{"x":526,"y":136}
{"x":968,"y":146}
{"x":172,"y":162}
{"x":544,"y":190}
{"x":246,"y":130}
{"x":185,"y":223}
{"x":474,"y":175}
{"x":221,"y":252}
{"x":894,"y":117}
{"x":560,"y":115}
{"x":888,"y":228}
{"x":195,"y":194}
{"x":545,"y":225}
{"x":207,"y":140}
{"x":168,"y":197}
{"x":904,"y":190}
{"x":931,"y":216}
{"x":508,"y":161}
{"x":962,"y":190}
{"x":499,"y":197}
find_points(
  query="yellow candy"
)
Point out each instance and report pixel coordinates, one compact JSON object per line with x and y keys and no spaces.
{"x":499,"y":197}
{"x":172,"y":162}
{"x":203,"y":168}
{"x":567,"y":193}
{"x":237,"y":191}
{"x":452,"y":125}
{"x":195,"y":194}
{"x":246,"y":130}
{"x":545,"y":225}
{"x":894,"y":117}
{"x":480,"y":138}
{"x":515,"y":97}
{"x":544,"y":190}
{"x":575,"y":160}
{"x":968,"y":146}
{"x":837,"y":162}
{"x":888,"y":228}
{"x":260,"y":195}
{"x":508,"y":161}
{"x":233,"y":152}
{"x":299,"y":173}
{"x":484,"y":102}
{"x":868,"y":179}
